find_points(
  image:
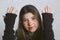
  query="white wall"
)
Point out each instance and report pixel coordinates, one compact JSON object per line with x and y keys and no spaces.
{"x":40,"y":4}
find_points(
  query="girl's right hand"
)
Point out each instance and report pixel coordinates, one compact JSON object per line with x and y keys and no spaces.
{"x":11,"y":10}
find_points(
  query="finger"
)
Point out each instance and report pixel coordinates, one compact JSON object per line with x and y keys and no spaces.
{"x":42,"y":11}
{"x":4,"y":16}
{"x":16,"y":11}
{"x":48,"y":9}
{"x":7,"y":9}
{"x":45,"y":9}
{"x":53,"y":16}
{"x":11,"y":9}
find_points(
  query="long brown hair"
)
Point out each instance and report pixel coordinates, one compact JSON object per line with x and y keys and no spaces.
{"x":38,"y":35}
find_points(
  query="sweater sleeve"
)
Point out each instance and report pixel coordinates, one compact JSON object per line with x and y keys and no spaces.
{"x":47,"y":22}
{"x":9,"y":24}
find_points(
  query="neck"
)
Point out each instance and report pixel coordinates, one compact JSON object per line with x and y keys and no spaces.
{"x":31,"y":33}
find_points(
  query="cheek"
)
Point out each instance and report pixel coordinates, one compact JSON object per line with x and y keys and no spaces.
{"x":25,"y":25}
{"x":36,"y":23}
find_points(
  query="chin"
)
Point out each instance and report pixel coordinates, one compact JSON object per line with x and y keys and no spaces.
{"x":32,"y":31}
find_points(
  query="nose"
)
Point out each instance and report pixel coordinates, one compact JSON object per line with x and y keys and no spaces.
{"x":30,"y":23}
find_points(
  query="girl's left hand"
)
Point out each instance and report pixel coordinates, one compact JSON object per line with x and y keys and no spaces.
{"x":47,"y":9}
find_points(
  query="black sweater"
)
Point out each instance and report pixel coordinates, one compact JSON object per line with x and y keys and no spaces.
{"x":10,"y":20}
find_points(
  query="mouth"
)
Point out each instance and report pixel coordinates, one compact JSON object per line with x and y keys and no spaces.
{"x":30,"y":28}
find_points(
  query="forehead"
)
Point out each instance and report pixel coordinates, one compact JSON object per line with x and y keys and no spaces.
{"x":28,"y":15}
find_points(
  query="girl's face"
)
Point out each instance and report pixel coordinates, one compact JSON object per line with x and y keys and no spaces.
{"x":30,"y":22}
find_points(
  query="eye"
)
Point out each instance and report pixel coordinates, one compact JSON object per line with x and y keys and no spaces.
{"x":24,"y":20}
{"x":33,"y":18}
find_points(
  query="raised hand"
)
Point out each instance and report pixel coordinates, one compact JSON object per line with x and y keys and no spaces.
{"x":47,"y":9}
{"x":11,"y":10}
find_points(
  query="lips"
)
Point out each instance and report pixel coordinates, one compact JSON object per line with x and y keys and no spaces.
{"x":30,"y":28}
